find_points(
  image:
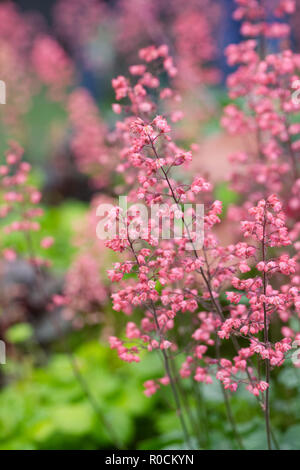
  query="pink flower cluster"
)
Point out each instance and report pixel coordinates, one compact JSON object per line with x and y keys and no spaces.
{"x":90,"y":138}
{"x":264,"y":81}
{"x":52,"y":65}
{"x":230,"y":293}
{"x":185,"y":26}
{"x":85,"y":14}
{"x":170,"y":282}
{"x":19,"y":209}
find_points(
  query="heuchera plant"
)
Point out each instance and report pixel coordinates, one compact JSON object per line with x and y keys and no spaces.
{"x":189,"y":304}
{"x":259,"y":274}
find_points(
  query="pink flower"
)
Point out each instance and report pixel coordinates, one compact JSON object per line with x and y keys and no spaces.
{"x":47,"y":242}
{"x":59,"y":300}
{"x":233,"y":297}
{"x":9,"y":255}
{"x":116,"y":108}
{"x":161,"y":124}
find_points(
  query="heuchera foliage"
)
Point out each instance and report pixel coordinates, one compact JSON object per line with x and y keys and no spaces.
{"x":211,"y":309}
{"x":259,"y":274}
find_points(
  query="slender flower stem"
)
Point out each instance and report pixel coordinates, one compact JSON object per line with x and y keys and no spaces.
{"x":206,"y":279}
{"x":177,"y":399}
{"x":173,"y":385}
{"x":113,"y":436}
{"x":201,"y":412}
{"x":228,"y":406}
{"x":167,"y":366}
{"x":266,"y":340}
{"x":231,"y":418}
{"x":185,"y":402}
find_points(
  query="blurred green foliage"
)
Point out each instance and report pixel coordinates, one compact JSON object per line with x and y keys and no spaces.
{"x":46,"y":407}
{"x":19,"y":333}
{"x":223,"y":193}
{"x":42,"y":125}
{"x":41,"y":132}
{"x":59,"y":222}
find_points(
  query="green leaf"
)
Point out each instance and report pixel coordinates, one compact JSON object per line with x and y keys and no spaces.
{"x":73,"y":419}
{"x":226,"y":195}
{"x":256,"y":440}
{"x":291,"y":439}
{"x":19,"y":333}
{"x":289,"y":377}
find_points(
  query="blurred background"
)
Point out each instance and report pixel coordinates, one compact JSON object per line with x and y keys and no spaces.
{"x":62,"y":387}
